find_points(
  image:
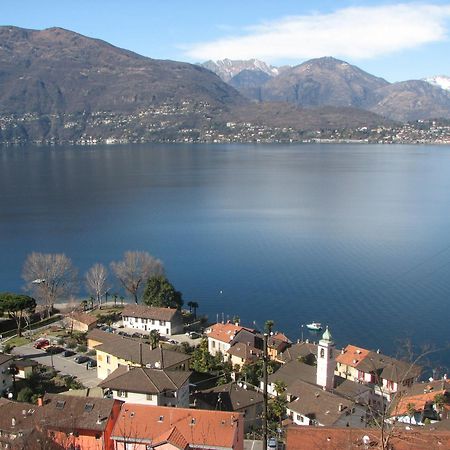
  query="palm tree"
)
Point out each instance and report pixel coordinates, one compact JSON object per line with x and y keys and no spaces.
{"x":115,"y":295}
{"x":268,"y":326}
{"x":122,"y":298}
{"x":190,"y":307}
{"x":194,"y":306}
{"x":84,"y":304}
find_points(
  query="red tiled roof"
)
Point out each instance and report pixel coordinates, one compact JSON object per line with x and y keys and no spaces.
{"x":223,"y":332}
{"x":172,"y":436}
{"x":281,"y":337}
{"x":323,"y":438}
{"x":417,"y":401}
{"x":352,"y":355}
{"x":147,"y":424}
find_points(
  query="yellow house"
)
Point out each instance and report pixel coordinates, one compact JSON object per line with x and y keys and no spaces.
{"x":128,"y":352}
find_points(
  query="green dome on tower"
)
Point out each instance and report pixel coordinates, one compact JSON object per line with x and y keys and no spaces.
{"x":327,"y":335}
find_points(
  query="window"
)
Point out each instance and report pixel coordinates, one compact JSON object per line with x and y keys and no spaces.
{"x":122,"y":394}
{"x":149,"y":397}
{"x":88,"y":407}
{"x":153,"y":321}
{"x":60,"y":404}
{"x":108,"y":359}
{"x":213,"y":344}
{"x":162,"y":322}
{"x":322,"y":353}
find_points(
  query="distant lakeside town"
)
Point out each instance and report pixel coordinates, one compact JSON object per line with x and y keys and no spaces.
{"x":105,"y":374}
{"x":174,"y":124}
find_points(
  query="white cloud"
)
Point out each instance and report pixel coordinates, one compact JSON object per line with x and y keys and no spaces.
{"x":356,"y":33}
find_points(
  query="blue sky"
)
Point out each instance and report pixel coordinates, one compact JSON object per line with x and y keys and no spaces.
{"x":394,"y":40}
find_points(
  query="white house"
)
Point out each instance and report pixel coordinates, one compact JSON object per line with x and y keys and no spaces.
{"x":167,"y":321}
{"x":141,"y":385}
{"x":6,"y":380}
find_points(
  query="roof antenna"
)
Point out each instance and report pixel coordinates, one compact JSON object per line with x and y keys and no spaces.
{"x":140,"y":354}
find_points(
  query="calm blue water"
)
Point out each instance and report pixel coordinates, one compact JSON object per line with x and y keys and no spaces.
{"x":357,"y":237}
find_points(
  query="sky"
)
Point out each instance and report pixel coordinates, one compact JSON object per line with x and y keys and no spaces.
{"x":394,"y":40}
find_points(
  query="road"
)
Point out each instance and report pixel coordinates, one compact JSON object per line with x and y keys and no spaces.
{"x":65,"y":366}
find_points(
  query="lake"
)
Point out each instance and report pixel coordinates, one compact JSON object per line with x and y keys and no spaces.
{"x":354,"y":236}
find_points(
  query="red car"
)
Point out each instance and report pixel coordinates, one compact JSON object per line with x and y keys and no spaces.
{"x":41,"y":343}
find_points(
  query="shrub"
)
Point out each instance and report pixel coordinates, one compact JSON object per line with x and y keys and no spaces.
{"x":91,"y":352}
{"x":60,"y":341}
{"x":25,"y":395}
{"x":72,"y":383}
{"x":7,"y":347}
{"x":82,"y":348}
{"x":71,"y":343}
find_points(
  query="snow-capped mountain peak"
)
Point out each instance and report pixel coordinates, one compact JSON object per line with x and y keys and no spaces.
{"x":228,"y":68}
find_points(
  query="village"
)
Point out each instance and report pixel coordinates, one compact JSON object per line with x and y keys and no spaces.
{"x":133,"y":376}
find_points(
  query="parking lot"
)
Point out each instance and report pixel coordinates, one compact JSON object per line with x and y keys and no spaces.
{"x":65,"y":366}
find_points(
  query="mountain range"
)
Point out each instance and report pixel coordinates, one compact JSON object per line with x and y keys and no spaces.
{"x":60,"y":86}
{"x":330,"y":82}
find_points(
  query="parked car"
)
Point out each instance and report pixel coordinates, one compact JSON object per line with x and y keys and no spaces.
{"x":272,"y":444}
{"x":67,"y":353}
{"x":173,"y":341}
{"x":80,"y":359}
{"x":54,"y":349}
{"x":41,"y":343}
{"x":91,"y":363}
{"x":107,"y":329}
{"x":194,"y":335}
{"x":137,"y":335}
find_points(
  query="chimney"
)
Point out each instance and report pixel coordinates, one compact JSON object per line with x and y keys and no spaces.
{"x":13,"y":421}
{"x":378,"y":351}
{"x":40,"y":401}
{"x":341,"y":407}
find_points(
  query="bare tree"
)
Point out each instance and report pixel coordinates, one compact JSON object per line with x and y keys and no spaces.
{"x":49,"y":277}
{"x":97,"y":282}
{"x":134,"y":270}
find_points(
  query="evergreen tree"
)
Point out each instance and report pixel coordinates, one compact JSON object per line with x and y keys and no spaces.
{"x":160,"y":292}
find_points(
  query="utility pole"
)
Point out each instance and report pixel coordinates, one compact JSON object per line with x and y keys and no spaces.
{"x":265,"y":412}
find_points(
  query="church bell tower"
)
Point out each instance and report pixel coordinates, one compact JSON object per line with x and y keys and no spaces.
{"x":326,"y":361}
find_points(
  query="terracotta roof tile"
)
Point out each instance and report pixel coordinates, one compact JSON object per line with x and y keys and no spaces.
{"x":352,"y":355}
{"x":321,"y":438}
{"x":418,"y":401}
{"x":147,"y":424}
{"x":223,"y":332}
{"x":172,"y":436}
